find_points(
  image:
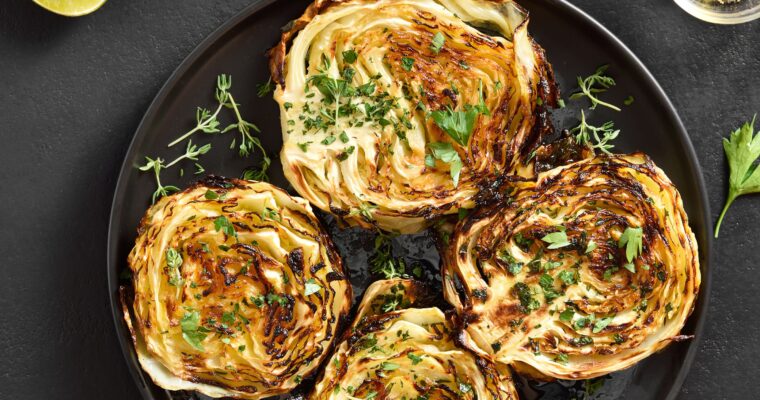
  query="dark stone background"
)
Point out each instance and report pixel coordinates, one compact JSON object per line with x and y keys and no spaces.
{"x":72,"y":92}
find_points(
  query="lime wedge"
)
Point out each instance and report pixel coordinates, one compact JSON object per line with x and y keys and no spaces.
{"x":70,"y":8}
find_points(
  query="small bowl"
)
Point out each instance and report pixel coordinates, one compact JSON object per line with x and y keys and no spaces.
{"x":725,"y":12}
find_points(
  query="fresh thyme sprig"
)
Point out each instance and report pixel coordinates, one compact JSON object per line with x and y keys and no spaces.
{"x":594,"y":84}
{"x":258,"y":174}
{"x":598,"y":137}
{"x":263,"y":89}
{"x":206,"y":121}
{"x":383,"y":262}
{"x":248,"y":142}
{"x":157,"y":165}
{"x":191,"y":153}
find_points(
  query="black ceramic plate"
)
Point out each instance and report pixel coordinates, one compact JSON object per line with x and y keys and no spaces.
{"x":575,"y":44}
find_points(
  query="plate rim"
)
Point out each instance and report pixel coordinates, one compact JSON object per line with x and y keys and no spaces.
{"x":705,"y":249}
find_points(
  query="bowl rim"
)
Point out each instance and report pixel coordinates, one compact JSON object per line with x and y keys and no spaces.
{"x":719,"y":17}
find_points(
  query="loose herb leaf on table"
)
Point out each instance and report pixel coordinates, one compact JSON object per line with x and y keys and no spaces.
{"x":742,"y":150}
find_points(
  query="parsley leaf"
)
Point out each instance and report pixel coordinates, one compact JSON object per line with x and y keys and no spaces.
{"x":556,"y":240}
{"x":457,"y":124}
{"x":192,"y":331}
{"x":445,"y":152}
{"x":742,"y":151}
{"x":632,"y":240}
{"x":437,"y":44}
{"x":222,"y":224}
{"x":527,"y":302}
{"x":350,"y":56}
{"x":407,"y":63}
{"x":415,"y":358}
{"x":567,"y":315}
{"x":547,"y":284}
{"x":311,"y":287}
{"x":389,"y":366}
{"x":601,"y":323}
{"x":513,"y":266}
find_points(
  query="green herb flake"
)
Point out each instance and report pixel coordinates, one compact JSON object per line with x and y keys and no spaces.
{"x":222,"y":224}
{"x":311,"y":287}
{"x":601,"y":323}
{"x":567,"y":315}
{"x":407,"y":63}
{"x":350,"y":56}
{"x":445,"y":152}
{"x":556,"y":240}
{"x":192,"y":331}
{"x":415,"y":358}
{"x":437,"y":43}
{"x":631,"y":239}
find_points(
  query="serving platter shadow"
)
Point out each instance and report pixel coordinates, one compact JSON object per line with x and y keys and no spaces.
{"x":575,"y":45}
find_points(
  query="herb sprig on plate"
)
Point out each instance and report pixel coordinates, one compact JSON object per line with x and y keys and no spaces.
{"x":207,"y":121}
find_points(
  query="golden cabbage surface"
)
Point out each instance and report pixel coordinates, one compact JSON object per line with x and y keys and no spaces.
{"x":359,"y":83}
{"x":546,"y":280}
{"x":237,"y":290}
{"x":396,"y":351}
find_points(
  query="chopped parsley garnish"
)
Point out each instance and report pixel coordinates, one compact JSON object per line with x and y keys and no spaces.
{"x":437,"y":44}
{"x":561,"y":358}
{"x":445,"y":152}
{"x":556,"y":240}
{"x":311,"y":287}
{"x":273,"y":298}
{"x":407,"y":63}
{"x":568,"y":277}
{"x":270,"y":214}
{"x":457,"y":124}
{"x":350,"y":56}
{"x":527,"y":302}
{"x":632,"y":240}
{"x":601,"y":323}
{"x":547,"y":284}
{"x":415,"y":358}
{"x":222,"y":224}
{"x":513,"y":266}
{"x":389,"y":366}
{"x":192,"y":331}
{"x":567,"y":315}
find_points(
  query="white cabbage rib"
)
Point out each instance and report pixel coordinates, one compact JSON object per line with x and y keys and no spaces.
{"x":581,"y":309}
{"x":255,"y":300}
{"x":407,"y":353}
{"x":371,"y":169}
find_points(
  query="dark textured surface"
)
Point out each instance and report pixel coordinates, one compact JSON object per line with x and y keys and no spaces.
{"x":73,"y":90}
